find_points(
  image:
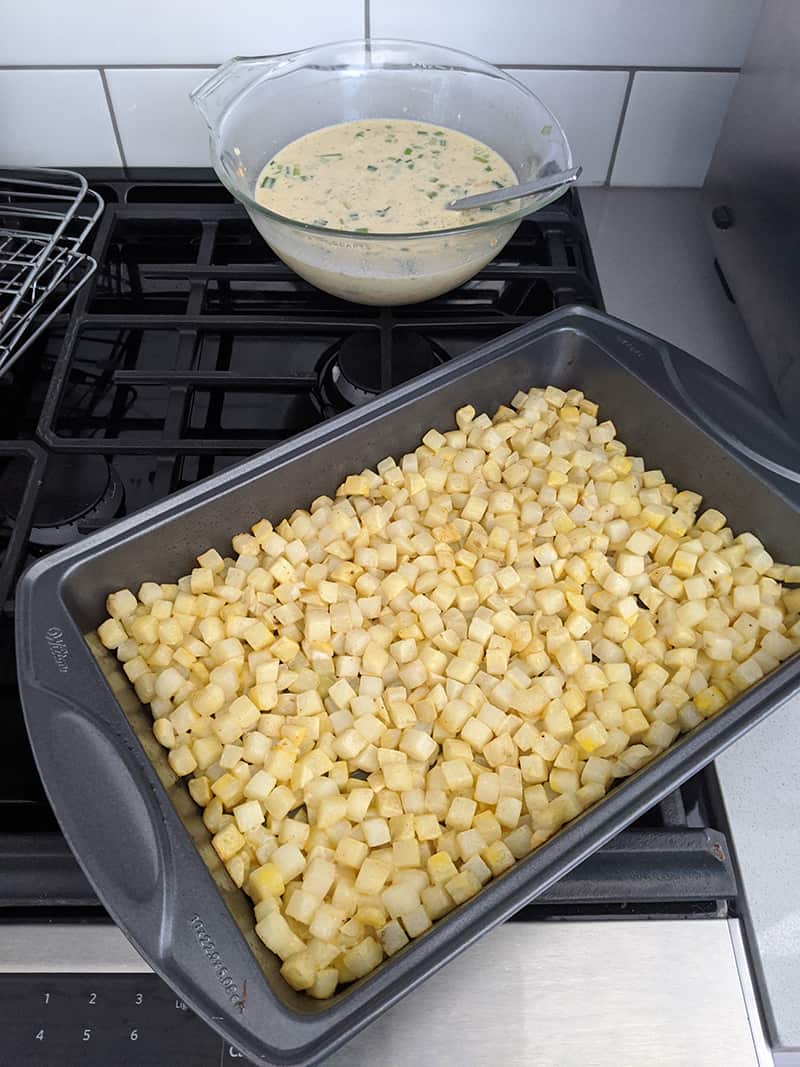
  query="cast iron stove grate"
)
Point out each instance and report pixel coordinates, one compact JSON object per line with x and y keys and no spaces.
{"x":195,"y":346}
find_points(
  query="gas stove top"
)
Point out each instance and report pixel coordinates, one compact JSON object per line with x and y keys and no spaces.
{"x":195,"y":346}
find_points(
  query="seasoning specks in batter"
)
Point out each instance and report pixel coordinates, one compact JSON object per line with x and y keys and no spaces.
{"x":382,"y":176}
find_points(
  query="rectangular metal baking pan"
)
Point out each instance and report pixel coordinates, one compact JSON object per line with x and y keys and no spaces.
{"x":133,"y":827}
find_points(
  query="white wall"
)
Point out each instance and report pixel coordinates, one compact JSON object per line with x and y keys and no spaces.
{"x":641,"y":86}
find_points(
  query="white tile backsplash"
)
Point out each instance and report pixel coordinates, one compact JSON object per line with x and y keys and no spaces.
{"x":671,"y":127}
{"x":55,"y":118}
{"x":157,"y":125}
{"x":578,"y":56}
{"x":587,"y":103}
{"x":642,"y":33}
{"x":169,"y":32}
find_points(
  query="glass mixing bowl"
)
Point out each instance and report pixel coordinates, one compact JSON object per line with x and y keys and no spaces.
{"x":255,"y":106}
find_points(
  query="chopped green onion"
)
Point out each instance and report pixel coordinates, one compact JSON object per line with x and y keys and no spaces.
{"x":295,"y":171}
{"x":361,"y":229}
{"x":370,"y":167}
{"x":331,"y":155}
{"x":382,"y":212}
{"x":407,"y":151}
{"x":267,"y":183}
{"x":431,"y":196}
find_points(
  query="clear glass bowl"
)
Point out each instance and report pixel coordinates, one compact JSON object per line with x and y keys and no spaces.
{"x":255,"y":106}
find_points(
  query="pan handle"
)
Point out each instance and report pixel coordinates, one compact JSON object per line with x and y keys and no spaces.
{"x":86,"y":755}
{"x":721,"y":407}
{"x":119,"y":821}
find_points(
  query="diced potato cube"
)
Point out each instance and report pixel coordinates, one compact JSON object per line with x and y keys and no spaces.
{"x":709,"y":701}
{"x":259,"y":786}
{"x":498,"y":857}
{"x":406,"y":853}
{"x":289,"y":860}
{"x":111,"y":633}
{"x":351,"y":852}
{"x":400,"y":898}
{"x":300,"y":970}
{"x":519,"y":842}
{"x":326,"y":922}
{"x":463,"y":886}
{"x":436,"y":901}
{"x":319,"y":876}
{"x":227,"y":841}
{"x":427,"y":826}
{"x":418,"y":745}
{"x":277,"y":935}
{"x":475,"y":865}
{"x":372,"y":876}
{"x":376,"y":832}
{"x":181,"y":760}
{"x":457,"y":774}
{"x":121,"y":604}
{"x":487,"y":788}
{"x":461,"y":813}
{"x":416,"y":922}
{"x":248,"y":815}
{"x":591,"y":737}
{"x":363,"y":957}
{"x":508,"y":811}
{"x":280,"y":802}
{"x":441,"y":868}
{"x":392,"y":937}
{"x":302,"y":906}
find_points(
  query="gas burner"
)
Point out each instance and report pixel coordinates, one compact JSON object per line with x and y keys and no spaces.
{"x":80,"y":494}
{"x":349,"y":372}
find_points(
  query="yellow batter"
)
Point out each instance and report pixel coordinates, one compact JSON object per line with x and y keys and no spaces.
{"x":382,"y":176}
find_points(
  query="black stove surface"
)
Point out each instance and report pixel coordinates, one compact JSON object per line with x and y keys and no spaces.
{"x":193,"y":347}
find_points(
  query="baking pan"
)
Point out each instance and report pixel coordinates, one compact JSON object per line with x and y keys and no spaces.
{"x":133,"y":826}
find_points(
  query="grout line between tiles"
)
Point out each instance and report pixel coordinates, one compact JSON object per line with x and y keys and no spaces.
{"x":367,"y":18}
{"x":623,"y":111}
{"x":113,"y":115}
{"x":629,"y":68}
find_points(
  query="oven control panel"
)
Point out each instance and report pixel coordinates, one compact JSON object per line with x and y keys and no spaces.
{"x":83,"y":1020}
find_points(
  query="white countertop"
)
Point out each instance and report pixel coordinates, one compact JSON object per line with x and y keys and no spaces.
{"x":656,"y":268}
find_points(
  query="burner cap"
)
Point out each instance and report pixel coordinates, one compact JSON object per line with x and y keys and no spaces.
{"x":79,"y":493}
{"x":350,"y":371}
